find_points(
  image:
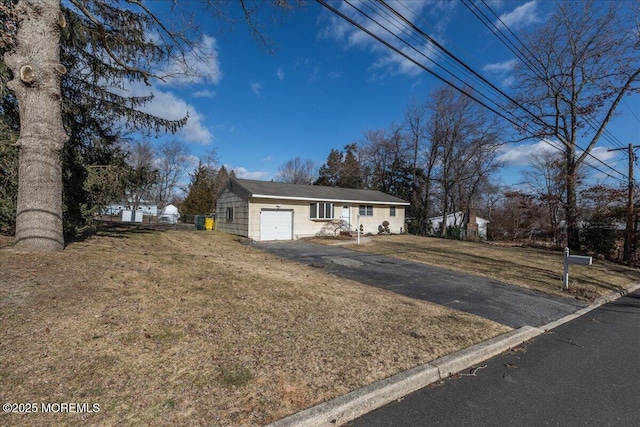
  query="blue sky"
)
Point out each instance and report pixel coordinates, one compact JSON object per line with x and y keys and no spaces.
{"x":327,"y":82}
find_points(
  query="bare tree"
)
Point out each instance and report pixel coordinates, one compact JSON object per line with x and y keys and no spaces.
{"x":577,"y":69}
{"x":143,"y":175}
{"x":516,"y":217}
{"x":422,"y":161}
{"x":386,"y":157}
{"x":210,"y":159}
{"x":467,"y":139}
{"x":173,"y":160}
{"x":547,"y":181}
{"x":296,"y":171}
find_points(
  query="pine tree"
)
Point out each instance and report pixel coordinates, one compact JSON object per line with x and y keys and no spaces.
{"x":350,"y":172}
{"x":222,"y":177}
{"x":201,"y":194}
{"x":329,"y":173}
{"x":342,"y":169}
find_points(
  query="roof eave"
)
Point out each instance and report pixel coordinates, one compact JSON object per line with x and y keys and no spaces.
{"x":310,"y":199}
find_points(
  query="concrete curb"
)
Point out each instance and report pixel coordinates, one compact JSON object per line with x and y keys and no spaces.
{"x":352,"y":405}
{"x":595,"y":304}
{"x":359,"y":402}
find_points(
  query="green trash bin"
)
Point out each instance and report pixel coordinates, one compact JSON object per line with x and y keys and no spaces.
{"x":199,"y":221}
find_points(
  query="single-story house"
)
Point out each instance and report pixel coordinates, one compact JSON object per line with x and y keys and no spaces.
{"x":263,"y":210}
{"x":472,"y":226}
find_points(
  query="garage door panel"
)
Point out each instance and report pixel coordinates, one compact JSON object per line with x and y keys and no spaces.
{"x":276,"y":225}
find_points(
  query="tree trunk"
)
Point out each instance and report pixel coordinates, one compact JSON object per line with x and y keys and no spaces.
{"x":573,"y":238}
{"x":37,"y":71}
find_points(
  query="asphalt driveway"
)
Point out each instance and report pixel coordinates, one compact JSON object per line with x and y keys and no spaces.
{"x":510,"y":305}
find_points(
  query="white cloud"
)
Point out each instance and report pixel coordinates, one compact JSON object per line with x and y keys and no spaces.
{"x":520,"y":155}
{"x":197,"y":65}
{"x":247,"y":174}
{"x":520,"y":17}
{"x":205,"y":93}
{"x":503,"y":71}
{"x":385,"y":62}
{"x":267,"y":159}
{"x":314,"y":74}
{"x":194,"y":161}
{"x":500,"y":67}
{"x":256,"y":87}
{"x":603,"y":155}
{"x":167,"y":105}
{"x":280,"y":74}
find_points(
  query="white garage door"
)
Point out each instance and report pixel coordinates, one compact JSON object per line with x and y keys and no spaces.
{"x":276,"y":225}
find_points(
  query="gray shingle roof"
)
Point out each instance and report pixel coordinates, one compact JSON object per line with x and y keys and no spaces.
{"x":281,"y":190}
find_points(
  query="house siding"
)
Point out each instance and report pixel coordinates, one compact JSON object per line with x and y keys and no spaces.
{"x":301,"y":222}
{"x":303,"y":226}
{"x":381,"y":213}
{"x":232,"y":198}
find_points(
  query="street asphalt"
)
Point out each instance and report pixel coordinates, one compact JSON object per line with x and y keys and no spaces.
{"x":565,"y":364}
{"x":506,"y":304}
{"x":581,"y":373}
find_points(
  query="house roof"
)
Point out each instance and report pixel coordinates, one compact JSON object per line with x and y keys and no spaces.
{"x":280,"y":190}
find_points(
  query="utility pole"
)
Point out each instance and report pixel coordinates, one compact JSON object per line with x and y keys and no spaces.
{"x":629,"y":237}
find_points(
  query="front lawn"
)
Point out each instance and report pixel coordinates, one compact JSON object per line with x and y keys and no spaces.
{"x":195,"y":328}
{"x":530,"y":268}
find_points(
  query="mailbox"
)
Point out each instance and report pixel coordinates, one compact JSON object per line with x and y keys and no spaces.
{"x":579,"y":260}
{"x":575,"y":260}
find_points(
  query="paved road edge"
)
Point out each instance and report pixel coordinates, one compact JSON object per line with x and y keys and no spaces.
{"x":352,"y":405}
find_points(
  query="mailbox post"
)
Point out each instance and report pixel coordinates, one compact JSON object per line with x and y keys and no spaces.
{"x":573,"y":259}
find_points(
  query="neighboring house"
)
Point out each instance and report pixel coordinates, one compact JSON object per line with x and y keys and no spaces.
{"x":472,"y":227}
{"x":147,"y":208}
{"x":263,"y":210}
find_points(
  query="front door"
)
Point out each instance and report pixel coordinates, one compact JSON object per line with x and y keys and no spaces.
{"x":346,"y":216}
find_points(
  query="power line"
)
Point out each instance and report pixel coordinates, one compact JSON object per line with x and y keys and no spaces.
{"x":474,"y":74}
{"x":446,"y":58}
{"x":442,"y":48}
{"x":435,"y":43}
{"x":422,"y":66}
{"x":525,"y":59}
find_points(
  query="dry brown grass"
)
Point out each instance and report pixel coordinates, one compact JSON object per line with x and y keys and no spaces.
{"x":194,"y":328}
{"x":530,"y":268}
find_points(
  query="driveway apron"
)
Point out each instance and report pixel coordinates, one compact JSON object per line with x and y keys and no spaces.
{"x":507,"y":304}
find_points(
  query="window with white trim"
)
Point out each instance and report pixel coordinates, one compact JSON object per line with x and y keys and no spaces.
{"x":392,"y":211}
{"x":229,"y":214}
{"x":321,"y":210}
{"x":365,"y":210}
